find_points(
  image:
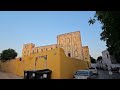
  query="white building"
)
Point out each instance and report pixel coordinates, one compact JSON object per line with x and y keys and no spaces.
{"x":101,"y":64}
{"x":108,"y":61}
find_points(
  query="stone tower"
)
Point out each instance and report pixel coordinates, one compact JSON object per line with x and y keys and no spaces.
{"x":27,"y":48}
{"x":71,"y":44}
{"x":86,"y":54}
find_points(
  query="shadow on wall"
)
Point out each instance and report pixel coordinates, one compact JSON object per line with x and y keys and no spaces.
{"x":68,"y":65}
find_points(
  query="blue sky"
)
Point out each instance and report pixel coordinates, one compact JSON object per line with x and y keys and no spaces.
{"x":42,"y":27}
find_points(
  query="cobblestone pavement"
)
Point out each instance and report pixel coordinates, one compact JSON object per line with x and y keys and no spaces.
{"x":4,"y":75}
{"x":103,"y":74}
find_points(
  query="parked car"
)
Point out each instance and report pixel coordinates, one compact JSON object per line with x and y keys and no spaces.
{"x":84,"y":74}
{"x":94,"y":70}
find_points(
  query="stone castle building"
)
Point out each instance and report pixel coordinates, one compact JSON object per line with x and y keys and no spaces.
{"x":70,"y":42}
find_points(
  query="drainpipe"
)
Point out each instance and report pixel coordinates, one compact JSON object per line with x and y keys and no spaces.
{"x":45,"y":65}
{"x":35,"y":64}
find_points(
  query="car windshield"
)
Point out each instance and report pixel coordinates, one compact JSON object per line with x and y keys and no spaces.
{"x":84,"y":73}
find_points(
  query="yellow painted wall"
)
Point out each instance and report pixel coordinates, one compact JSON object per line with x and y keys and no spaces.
{"x":28,"y":63}
{"x":86,"y":55}
{"x":13,"y":66}
{"x":62,"y":67}
{"x":69,"y":65}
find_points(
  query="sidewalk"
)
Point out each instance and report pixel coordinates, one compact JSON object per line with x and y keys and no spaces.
{"x":4,"y":75}
{"x":103,"y":74}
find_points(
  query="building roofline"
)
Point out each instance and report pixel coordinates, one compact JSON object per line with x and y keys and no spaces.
{"x":68,"y":33}
{"x":46,"y":45}
{"x":105,"y":51}
{"x":85,"y":46}
{"x":28,"y":43}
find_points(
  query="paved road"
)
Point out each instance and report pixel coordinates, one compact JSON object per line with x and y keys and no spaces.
{"x":103,"y":74}
{"x":4,"y":75}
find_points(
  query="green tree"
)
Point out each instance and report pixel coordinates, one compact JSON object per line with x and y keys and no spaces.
{"x":92,"y":60}
{"x":0,"y":56}
{"x":8,"y":54}
{"x":110,"y":21}
{"x":99,"y":58}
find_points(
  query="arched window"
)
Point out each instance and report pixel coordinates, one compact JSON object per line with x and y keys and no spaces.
{"x":61,"y":45}
{"x":76,"y":53}
{"x":37,"y":50}
{"x":74,"y":39}
{"x":68,"y":47}
{"x":68,"y":40}
{"x":28,"y":53}
{"x":75,"y":47}
{"x":20,"y":59}
{"x":107,"y":56}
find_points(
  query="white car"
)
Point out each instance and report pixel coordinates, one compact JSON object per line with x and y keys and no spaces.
{"x":94,"y":70}
{"x":84,"y":74}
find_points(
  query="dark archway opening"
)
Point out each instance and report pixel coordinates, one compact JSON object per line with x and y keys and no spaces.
{"x":69,"y":55}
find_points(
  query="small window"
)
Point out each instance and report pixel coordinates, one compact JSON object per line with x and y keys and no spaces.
{"x":28,"y":52}
{"x":76,"y":53}
{"x":37,"y":50}
{"x":41,"y":50}
{"x":69,"y":55}
{"x":68,"y":47}
{"x":68,"y":40}
{"x":107,"y":56}
{"x":51,"y":48}
{"x":46,"y":49}
{"x":20,"y":59}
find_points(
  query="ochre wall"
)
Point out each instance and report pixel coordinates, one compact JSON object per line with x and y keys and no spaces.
{"x":28,"y":63}
{"x":13,"y":66}
{"x":68,"y":65}
{"x":86,"y":55}
{"x":62,"y":67}
{"x":30,"y":48}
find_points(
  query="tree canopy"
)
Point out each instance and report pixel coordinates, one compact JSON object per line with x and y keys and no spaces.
{"x":0,"y":56}
{"x":99,"y":58}
{"x":92,"y":60}
{"x":110,"y":21}
{"x":8,"y":54}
